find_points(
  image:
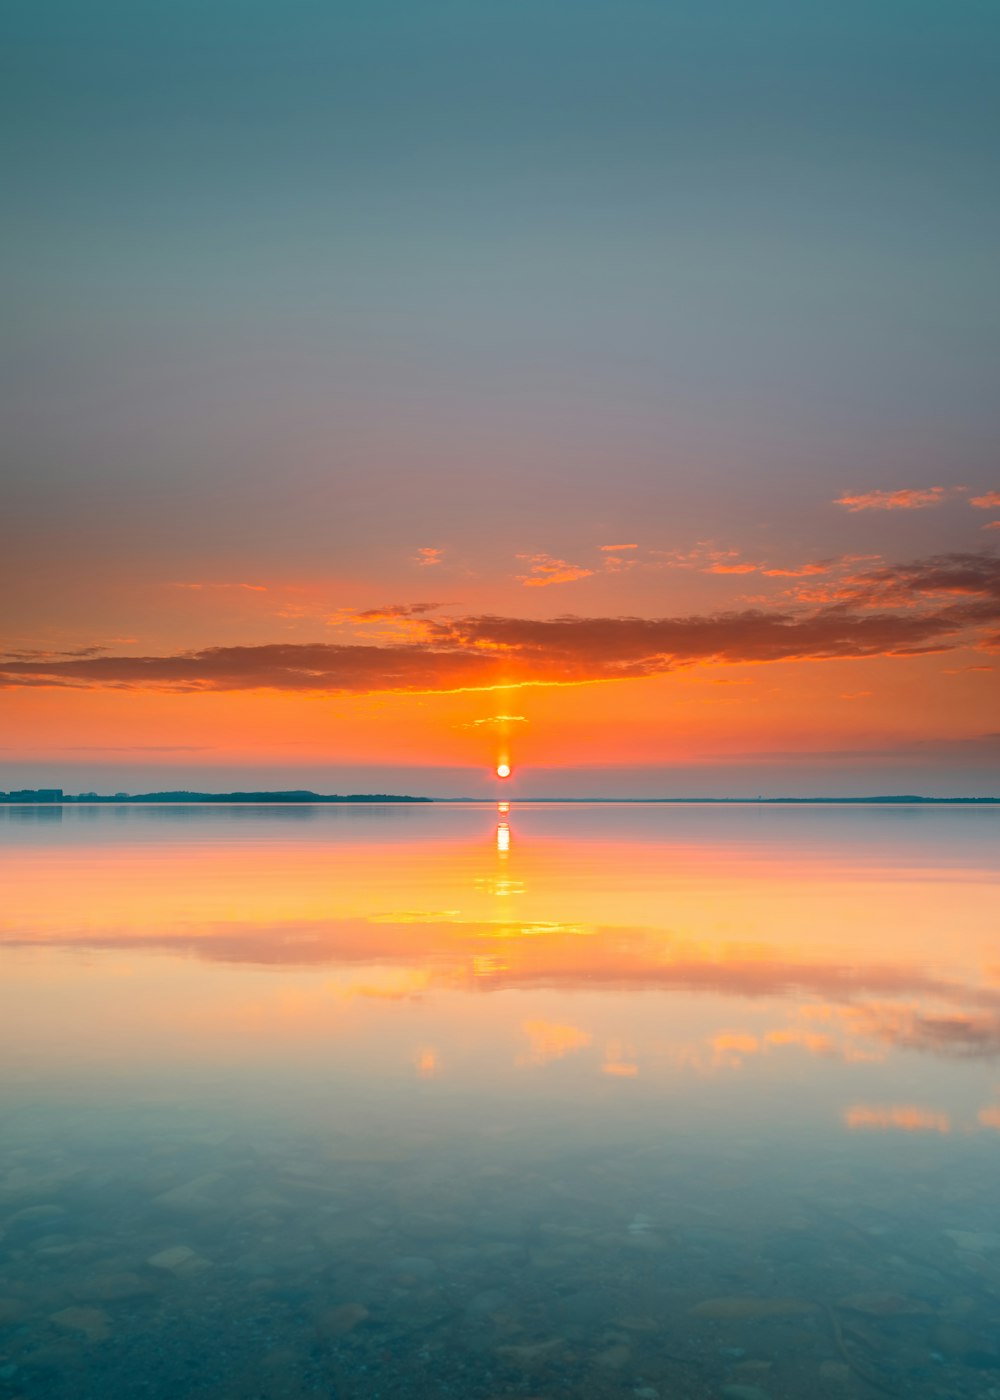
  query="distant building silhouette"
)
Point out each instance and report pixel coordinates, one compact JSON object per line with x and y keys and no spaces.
{"x":36,"y":795}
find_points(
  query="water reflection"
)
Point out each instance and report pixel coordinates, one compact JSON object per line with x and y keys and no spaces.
{"x":554,"y":1101}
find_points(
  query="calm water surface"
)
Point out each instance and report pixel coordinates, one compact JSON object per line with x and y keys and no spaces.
{"x":580,"y":1101}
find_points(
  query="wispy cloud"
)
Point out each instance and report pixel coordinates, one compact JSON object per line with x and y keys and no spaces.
{"x":137,"y":748}
{"x":907,"y":1118}
{"x":493,"y":721}
{"x":394,"y":612}
{"x":616,"y":548}
{"x":705,"y":555}
{"x":245,"y":587}
{"x":428,"y":555}
{"x":546,"y":571}
{"x":893,"y":500}
{"x":803,"y":571}
{"x":989,"y":501}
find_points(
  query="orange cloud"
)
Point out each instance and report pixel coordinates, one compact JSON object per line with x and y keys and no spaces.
{"x":735,"y":1042}
{"x":905,"y":1118}
{"x":394,"y":612}
{"x":804,"y":571}
{"x":427,"y":555}
{"x":491,"y":721}
{"x":620,"y":1069}
{"x":989,"y":501}
{"x":813,"y":1041}
{"x":893,"y":500}
{"x":247,"y":587}
{"x":616,"y":548}
{"x":552,"y":1041}
{"x":704,"y":554}
{"x":545,"y":571}
{"x":618,"y":1061}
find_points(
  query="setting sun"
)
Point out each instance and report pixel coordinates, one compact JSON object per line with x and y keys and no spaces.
{"x":503,"y":770}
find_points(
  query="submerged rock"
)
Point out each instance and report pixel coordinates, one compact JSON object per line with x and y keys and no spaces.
{"x":750,"y":1307}
{"x":111,"y":1288}
{"x":337,"y":1322}
{"x":531,"y":1353}
{"x":180,"y":1260}
{"x":31,"y":1224}
{"x":975,"y":1241}
{"x":884,"y":1305}
{"x":415,"y":1267}
{"x":92,"y":1322}
{"x":615,"y":1356}
{"x":191,"y":1196}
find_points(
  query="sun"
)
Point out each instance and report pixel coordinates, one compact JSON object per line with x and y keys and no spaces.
{"x":503,"y":770}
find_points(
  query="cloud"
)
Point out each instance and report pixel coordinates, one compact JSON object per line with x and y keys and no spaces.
{"x":803,"y":571}
{"x":545,"y":571}
{"x":499,"y":720}
{"x":931,"y":605}
{"x":959,"y":575}
{"x":955,"y":1032}
{"x":550,"y":1040}
{"x":43,"y":654}
{"x":247,"y":587}
{"x":909,"y":1006}
{"x":710,"y":559}
{"x":906,"y":1118}
{"x":394,"y":612}
{"x":619,"y":563}
{"x":893,"y":500}
{"x":706,"y":556}
{"x":989,"y":501}
{"x":137,"y":748}
{"x":427,"y":555}
{"x":616,"y":548}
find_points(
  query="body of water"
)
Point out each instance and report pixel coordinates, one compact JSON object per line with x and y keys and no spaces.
{"x":457,"y":1101}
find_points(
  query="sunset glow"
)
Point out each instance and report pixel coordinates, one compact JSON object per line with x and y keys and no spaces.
{"x":499,"y":693}
{"x":333,"y":460}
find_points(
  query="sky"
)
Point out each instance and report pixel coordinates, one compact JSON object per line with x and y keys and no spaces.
{"x":392,"y":388}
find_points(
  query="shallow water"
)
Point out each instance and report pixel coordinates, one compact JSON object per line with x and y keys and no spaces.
{"x":609,"y":1101}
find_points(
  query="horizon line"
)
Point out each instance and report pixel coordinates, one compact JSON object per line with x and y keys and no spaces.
{"x":54,"y":797}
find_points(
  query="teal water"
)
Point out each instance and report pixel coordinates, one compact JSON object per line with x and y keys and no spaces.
{"x":457,"y":1102}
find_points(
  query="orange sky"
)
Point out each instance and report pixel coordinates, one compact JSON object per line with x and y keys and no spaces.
{"x":638,"y":657}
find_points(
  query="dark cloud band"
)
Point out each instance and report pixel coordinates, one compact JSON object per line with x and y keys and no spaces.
{"x":932,"y":605}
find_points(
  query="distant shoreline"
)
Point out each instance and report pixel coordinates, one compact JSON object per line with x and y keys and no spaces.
{"x":47,"y":798}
